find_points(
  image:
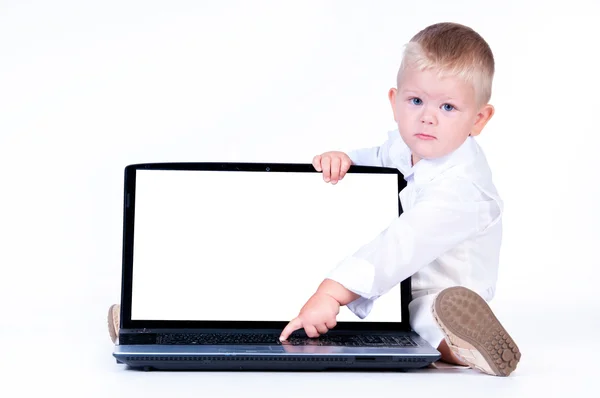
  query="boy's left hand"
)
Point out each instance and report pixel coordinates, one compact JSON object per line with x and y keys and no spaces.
{"x":316,"y":317}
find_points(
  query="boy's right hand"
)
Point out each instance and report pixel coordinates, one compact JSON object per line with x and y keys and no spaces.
{"x":316,"y":317}
{"x":334,"y":165}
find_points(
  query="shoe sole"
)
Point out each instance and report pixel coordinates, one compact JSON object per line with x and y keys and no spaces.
{"x":113,"y":322}
{"x":464,"y":315}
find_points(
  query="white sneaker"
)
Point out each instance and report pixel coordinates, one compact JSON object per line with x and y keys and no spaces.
{"x":473,"y":332}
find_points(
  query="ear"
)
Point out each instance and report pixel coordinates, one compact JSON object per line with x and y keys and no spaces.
{"x":484,"y":115}
{"x":392,"y":97}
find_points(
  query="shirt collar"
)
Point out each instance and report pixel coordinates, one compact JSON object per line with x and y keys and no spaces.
{"x":427,"y":169}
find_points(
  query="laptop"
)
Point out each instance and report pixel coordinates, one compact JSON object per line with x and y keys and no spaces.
{"x":219,"y":257}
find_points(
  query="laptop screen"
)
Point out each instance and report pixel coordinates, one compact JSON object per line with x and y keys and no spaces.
{"x":251,"y":246}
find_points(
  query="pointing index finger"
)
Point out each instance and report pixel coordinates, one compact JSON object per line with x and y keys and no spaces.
{"x":294,"y":325}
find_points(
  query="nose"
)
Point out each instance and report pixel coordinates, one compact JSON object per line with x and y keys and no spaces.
{"x":427,"y":117}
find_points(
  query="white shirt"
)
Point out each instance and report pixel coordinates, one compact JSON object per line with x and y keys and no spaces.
{"x":448,"y":234}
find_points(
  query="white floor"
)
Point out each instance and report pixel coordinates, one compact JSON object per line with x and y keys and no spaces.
{"x":72,"y":357}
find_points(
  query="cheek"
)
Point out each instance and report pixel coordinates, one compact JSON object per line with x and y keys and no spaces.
{"x":402,"y":110}
{"x":404,"y":116}
{"x":455,"y":130}
{"x":464,"y":126}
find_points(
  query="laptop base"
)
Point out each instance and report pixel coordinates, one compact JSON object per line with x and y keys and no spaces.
{"x":274,"y":358}
{"x":263,"y":363}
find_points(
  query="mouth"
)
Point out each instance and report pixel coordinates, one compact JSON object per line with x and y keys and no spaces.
{"x":424,"y":136}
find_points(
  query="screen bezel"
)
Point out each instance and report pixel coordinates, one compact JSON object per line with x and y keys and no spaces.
{"x":128,"y":234}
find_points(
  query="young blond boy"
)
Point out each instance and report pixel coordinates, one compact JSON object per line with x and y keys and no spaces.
{"x":448,"y":237}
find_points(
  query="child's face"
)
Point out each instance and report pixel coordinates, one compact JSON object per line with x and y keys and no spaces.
{"x":435,"y":116}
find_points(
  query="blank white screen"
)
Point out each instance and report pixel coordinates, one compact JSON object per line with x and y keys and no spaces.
{"x":251,"y":246}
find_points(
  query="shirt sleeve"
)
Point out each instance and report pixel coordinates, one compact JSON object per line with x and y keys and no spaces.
{"x":375,"y":156}
{"x":443,"y":216}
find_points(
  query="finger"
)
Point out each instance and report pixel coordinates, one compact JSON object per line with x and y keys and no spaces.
{"x":331,"y":324}
{"x":294,"y":325}
{"x":326,"y":165}
{"x":311,"y":331}
{"x":322,"y":329}
{"x":346,"y":163}
{"x":317,"y":162}
{"x":335,"y":169}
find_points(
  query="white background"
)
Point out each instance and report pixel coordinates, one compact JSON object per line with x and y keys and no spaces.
{"x":87,"y":87}
{"x":247,"y":246}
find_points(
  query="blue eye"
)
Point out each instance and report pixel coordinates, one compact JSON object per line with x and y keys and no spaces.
{"x":416,"y":101}
{"x":448,"y":107}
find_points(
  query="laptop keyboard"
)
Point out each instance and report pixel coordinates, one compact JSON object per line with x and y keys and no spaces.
{"x":272,"y":339}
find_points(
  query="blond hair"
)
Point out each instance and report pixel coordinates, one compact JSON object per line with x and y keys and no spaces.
{"x":452,"y":49}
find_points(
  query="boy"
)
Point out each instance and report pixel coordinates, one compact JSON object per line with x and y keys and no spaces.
{"x":448,"y":238}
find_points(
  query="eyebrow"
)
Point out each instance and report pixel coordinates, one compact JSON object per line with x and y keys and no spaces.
{"x":416,"y":92}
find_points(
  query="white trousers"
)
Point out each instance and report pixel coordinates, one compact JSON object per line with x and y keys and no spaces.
{"x":421,"y":317}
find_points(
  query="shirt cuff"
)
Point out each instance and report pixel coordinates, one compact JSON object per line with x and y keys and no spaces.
{"x":357,"y":275}
{"x":361,"y":307}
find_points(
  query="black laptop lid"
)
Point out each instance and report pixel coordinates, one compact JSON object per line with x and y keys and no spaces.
{"x":244,"y":245}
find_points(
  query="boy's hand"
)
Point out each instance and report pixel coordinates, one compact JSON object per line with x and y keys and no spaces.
{"x":333,"y":164}
{"x":316,"y":317}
